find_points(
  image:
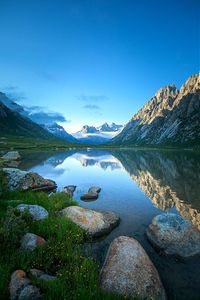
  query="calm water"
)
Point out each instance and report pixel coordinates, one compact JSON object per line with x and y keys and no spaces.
{"x":137,"y":185}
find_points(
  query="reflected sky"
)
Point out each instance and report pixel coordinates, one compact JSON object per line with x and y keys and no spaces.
{"x":137,"y":185}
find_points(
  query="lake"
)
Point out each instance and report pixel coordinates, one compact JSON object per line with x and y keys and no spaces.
{"x":138,"y":185}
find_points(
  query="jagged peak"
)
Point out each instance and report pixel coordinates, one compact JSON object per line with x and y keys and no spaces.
{"x":166,"y":91}
{"x":191,"y":85}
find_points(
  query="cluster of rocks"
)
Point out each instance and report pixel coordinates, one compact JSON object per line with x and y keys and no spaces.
{"x":18,"y":180}
{"x":92,"y":194}
{"x":127,"y":269}
{"x":21,"y":287}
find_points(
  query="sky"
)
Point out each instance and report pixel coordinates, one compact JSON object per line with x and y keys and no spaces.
{"x":95,"y":61}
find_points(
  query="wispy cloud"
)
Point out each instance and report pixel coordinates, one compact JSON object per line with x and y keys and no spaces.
{"x":42,"y":115}
{"x":13,"y":93}
{"x":91,"y":107}
{"x":92,"y":98}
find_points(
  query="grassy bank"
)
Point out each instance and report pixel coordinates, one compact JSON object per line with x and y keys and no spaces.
{"x":62,"y":256}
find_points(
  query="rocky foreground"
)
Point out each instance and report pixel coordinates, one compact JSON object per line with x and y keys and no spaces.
{"x":127,"y":269}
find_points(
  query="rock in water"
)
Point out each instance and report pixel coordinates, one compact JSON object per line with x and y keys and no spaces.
{"x":95,"y":223}
{"x":69,"y":189}
{"x":129,"y":271}
{"x":18,"y":282}
{"x":89,"y":196}
{"x":94,"y":189}
{"x":174,"y":235}
{"x":12,"y":155}
{"x":30,"y":241}
{"x":19,"y":180}
{"x":37,"y":212}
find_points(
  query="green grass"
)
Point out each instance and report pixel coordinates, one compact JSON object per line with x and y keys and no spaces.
{"x":62,"y":255}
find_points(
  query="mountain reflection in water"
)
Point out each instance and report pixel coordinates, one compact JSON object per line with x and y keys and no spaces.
{"x":138,"y":185}
{"x":167,"y":178}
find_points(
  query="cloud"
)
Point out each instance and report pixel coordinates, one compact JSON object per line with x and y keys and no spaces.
{"x":13,"y":93}
{"x":91,"y":107}
{"x":41,"y":115}
{"x":92,"y":98}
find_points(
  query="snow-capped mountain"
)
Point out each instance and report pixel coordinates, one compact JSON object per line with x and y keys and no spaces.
{"x":55,"y":129}
{"x":59,"y":132}
{"x":97,"y":135}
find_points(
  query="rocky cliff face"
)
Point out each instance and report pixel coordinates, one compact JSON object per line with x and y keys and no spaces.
{"x":170,"y":117}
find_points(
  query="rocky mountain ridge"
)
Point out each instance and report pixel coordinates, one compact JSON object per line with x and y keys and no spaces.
{"x":169,"y":117}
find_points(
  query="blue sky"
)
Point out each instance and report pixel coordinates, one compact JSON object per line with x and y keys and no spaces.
{"x":95,"y":60}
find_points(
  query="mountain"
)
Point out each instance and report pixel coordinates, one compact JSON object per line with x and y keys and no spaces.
{"x":59,"y":132}
{"x":109,"y":128}
{"x":88,"y":129}
{"x":12,"y":123}
{"x":171,"y":117}
{"x":55,"y":129}
{"x":97,"y":135}
{"x":11,"y":104}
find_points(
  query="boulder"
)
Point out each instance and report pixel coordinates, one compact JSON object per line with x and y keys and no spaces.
{"x":128,"y":271}
{"x":30,"y":241}
{"x":69,"y":189}
{"x":18,"y":281}
{"x":11,"y":155}
{"x":94,"y":189}
{"x":95,"y":223}
{"x":42,"y":275}
{"x":89,"y":196}
{"x":174,"y":235}
{"x":20,"y":287}
{"x":19,"y":180}
{"x":30,"y":292}
{"x":37,"y":212}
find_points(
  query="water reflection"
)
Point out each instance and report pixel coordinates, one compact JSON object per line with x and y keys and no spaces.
{"x":137,"y":185}
{"x":101,"y":159}
{"x":167,"y":178}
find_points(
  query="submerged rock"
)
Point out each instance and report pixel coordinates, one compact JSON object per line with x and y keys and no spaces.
{"x":19,"y":180}
{"x":89,"y":196}
{"x":95,"y":223}
{"x":12,"y":155}
{"x":129,"y":271}
{"x":37,"y":212}
{"x":92,"y":193}
{"x":174,"y":235}
{"x":30,"y":241}
{"x":94,"y":189}
{"x":42,"y":275}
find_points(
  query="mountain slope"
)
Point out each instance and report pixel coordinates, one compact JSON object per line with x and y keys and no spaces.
{"x":170,"y":117}
{"x":59,"y":132}
{"x":12,"y":123}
